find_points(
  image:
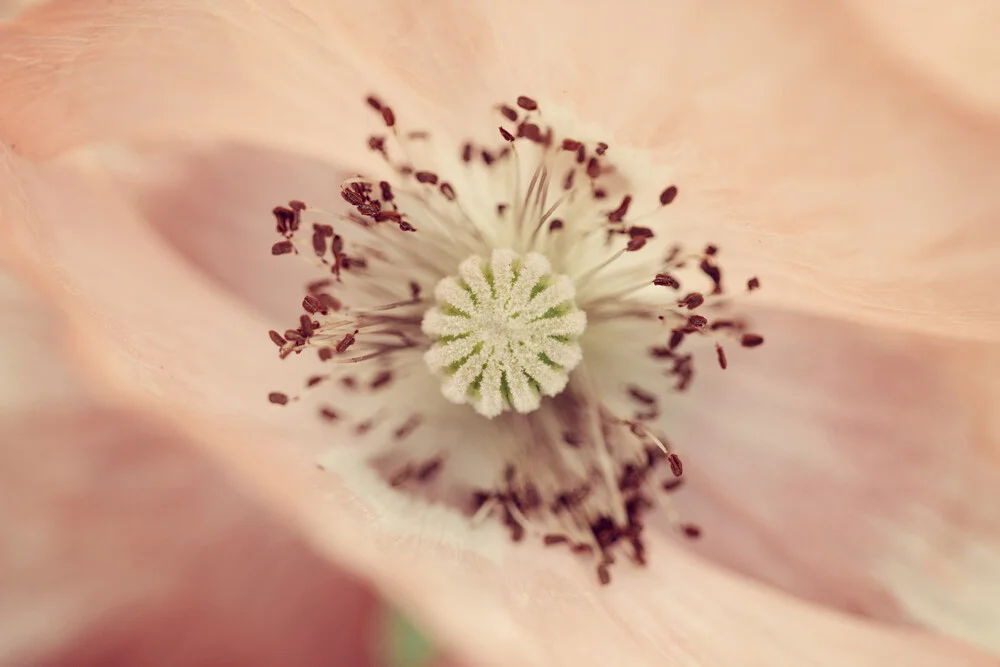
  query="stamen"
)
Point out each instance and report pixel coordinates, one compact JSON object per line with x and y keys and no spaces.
{"x":519,"y":274}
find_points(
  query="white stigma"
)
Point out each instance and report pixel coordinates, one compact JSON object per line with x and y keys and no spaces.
{"x":505,"y":332}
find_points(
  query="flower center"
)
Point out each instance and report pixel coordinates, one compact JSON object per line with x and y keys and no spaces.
{"x":505,"y":332}
{"x":541,"y":225}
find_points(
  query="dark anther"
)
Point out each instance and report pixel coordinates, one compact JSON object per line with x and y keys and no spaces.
{"x":282,"y":248}
{"x":692,"y":301}
{"x":388,"y":116}
{"x":713,"y":272}
{"x":374,"y":102}
{"x":668,"y":195}
{"x":530,"y":131}
{"x":277,"y":338}
{"x":527,"y":103}
{"x":346,"y":342}
{"x":284,"y":217}
{"x":319,"y":243}
{"x":691,"y":530}
{"x":641,"y":395}
{"x":666,"y":280}
{"x":277,"y":398}
{"x":676,"y":467}
{"x":751,"y":340}
{"x":676,"y":338}
{"x":311,"y":304}
{"x":635,"y":243}
{"x":721,"y":354}
{"x":380,"y":380}
{"x":352,"y":197}
{"x":329,"y":301}
{"x":507,"y":136}
{"x":619,"y":213}
{"x":386,"y":190}
{"x":370,"y":208}
{"x":752,"y":284}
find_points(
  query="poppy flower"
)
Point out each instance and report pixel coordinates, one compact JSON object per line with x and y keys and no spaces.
{"x":483,"y":334}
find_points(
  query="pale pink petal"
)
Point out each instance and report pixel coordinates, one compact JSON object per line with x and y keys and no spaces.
{"x":10,"y":9}
{"x":203,"y":204}
{"x":120,"y":544}
{"x":77,"y":72}
{"x":855,"y":467}
{"x":953,"y":46}
{"x":854,"y":189}
{"x":199,"y":354}
{"x":152,"y":329}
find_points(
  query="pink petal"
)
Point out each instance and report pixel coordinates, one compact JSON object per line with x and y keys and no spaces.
{"x":953,"y":46}
{"x":88,"y":71}
{"x":854,"y":467}
{"x":148,"y":327}
{"x":200,"y":354}
{"x":852,"y":188}
{"x":123,"y":546}
{"x":120,"y":544}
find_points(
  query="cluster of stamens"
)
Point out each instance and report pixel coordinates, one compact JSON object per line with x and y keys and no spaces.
{"x":516,"y":283}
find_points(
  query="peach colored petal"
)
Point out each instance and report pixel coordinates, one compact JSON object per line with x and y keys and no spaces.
{"x":32,"y":375}
{"x":104,"y":289}
{"x":854,"y":189}
{"x":119,"y":544}
{"x":77,"y":72}
{"x":953,"y":46}
{"x":166,"y":334}
{"x":855,"y":467}
{"x":10,"y":9}
{"x":201,"y":204}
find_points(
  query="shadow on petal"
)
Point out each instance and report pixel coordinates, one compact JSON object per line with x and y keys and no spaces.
{"x":853,"y":466}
